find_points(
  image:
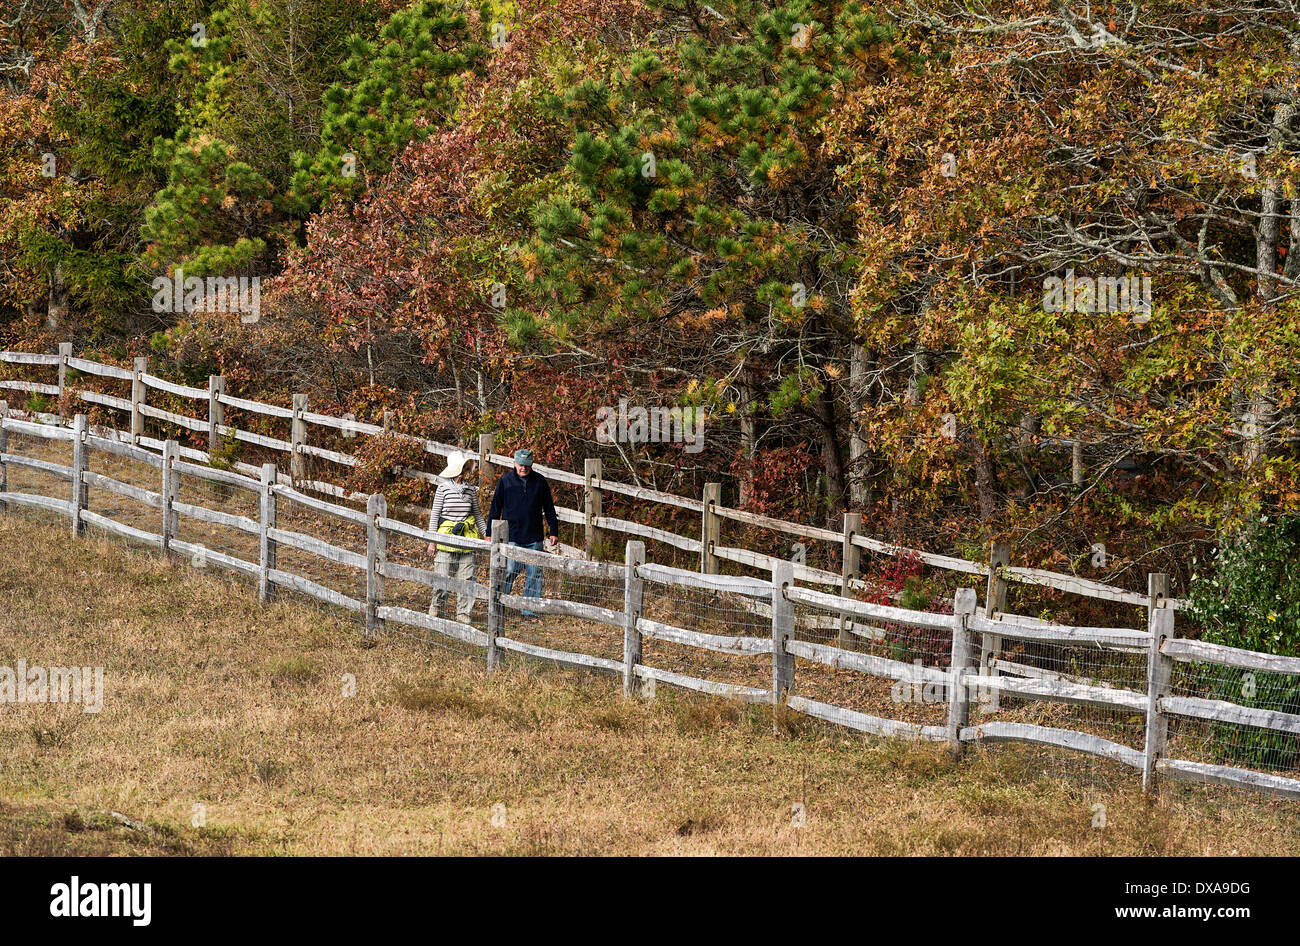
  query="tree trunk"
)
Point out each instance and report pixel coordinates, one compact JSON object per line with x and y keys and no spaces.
{"x":748,"y":437}
{"x":859,"y":456}
{"x":832,"y":460}
{"x":1292,"y":268}
{"x":1270,"y":218}
{"x":920,"y":365}
{"x":58,"y":308}
{"x":986,"y":479}
{"x":1267,"y":237}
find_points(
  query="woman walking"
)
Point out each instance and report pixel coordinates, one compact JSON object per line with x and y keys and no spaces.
{"x":455,"y":512}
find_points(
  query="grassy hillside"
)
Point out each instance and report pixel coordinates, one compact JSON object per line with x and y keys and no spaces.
{"x":211,"y":700}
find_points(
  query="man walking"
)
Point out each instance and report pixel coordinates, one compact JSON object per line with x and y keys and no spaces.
{"x":522,"y":498}
{"x":455,"y":512}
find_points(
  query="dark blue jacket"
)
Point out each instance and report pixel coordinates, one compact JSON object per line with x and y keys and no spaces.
{"x":521,"y":501}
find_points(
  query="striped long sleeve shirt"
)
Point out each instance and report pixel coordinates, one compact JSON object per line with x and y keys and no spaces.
{"x":455,"y":501}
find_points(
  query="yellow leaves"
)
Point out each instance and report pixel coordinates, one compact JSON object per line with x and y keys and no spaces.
{"x":866,"y":54}
{"x":528,"y":261}
{"x":778,"y":175}
{"x":702,"y":321}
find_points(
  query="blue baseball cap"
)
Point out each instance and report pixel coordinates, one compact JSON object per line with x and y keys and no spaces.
{"x":524,"y":457}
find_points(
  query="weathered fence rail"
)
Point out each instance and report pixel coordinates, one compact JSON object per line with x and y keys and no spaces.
{"x":963,"y":677}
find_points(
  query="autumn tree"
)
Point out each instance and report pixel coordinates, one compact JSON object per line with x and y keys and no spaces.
{"x":1060,"y":143}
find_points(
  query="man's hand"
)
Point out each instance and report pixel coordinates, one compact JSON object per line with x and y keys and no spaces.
{"x":552,"y":542}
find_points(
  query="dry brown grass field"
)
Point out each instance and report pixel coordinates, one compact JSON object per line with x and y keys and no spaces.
{"x":212,"y":700}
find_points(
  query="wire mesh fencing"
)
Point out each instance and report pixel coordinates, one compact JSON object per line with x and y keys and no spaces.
{"x":908,"y":686}
{"x":737,"y":627}
{"x":1098,"y":689}
{"x":465,"y":604}
{"x":35,"y":480}
{"x":1229,"y":743}
{"x":563,"y":605}
{"x":1236,"y":743}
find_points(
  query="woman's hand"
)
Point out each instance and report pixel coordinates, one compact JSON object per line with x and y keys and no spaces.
{"x":433,"y":549}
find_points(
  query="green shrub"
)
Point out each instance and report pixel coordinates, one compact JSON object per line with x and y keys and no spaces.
{"x":1251,"y":600}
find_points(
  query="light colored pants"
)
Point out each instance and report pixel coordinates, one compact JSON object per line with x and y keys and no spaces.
{"x":453,"y":565}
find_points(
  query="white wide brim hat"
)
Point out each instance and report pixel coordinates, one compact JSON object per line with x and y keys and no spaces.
{"x":456,"y":463}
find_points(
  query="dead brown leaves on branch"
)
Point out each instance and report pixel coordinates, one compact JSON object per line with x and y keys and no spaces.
{"x":381,"y":462}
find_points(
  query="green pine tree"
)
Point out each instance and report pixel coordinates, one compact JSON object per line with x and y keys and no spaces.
{"x":397,"y":89}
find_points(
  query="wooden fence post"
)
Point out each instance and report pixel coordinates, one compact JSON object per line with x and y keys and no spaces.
{"x":850,"y":565}
{"x":266,"y":544}
{"x":710,"y":528}
{"x":591,"y":507}
{"x":486,"y":444}
{"x":137,"y":400}
{"x":298,"y":437}
{"x":376,"y":554}
{"x":963,"y":606}
{"x":170,"y":484}
{"x":4,"y":448}
{"x":782,"y":630}
{"x":995,"y":600}
{"x":496,"y":611}
{"x":65,"y":352}
{"x":216,"y":414}
{"x":633,"y":600}
{"x":1160,"y":622}
{"x":78,"y":469}
{"x":1157,"y":592}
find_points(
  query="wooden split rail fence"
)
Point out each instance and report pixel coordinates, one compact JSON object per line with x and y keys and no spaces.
{"x":850,"y":541}
{"x":778,"y":593}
